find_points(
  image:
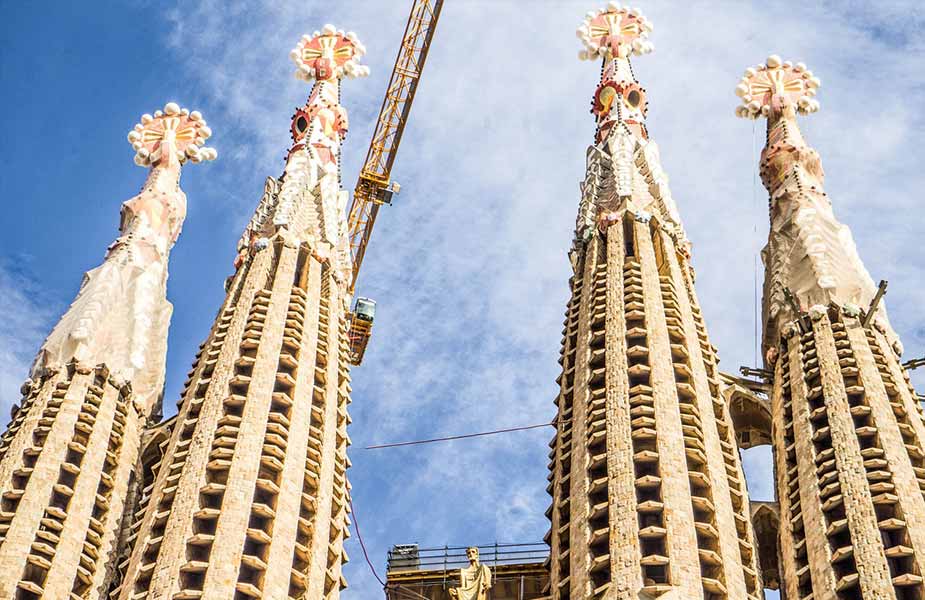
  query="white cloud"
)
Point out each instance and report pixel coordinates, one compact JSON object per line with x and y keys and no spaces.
{"x":469,"y":266}
{"x":25,"y":323}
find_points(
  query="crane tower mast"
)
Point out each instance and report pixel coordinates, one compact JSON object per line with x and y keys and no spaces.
{"x":374,"y":186}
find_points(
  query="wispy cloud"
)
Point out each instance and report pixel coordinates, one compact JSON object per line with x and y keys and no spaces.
{"x":27,"y":317}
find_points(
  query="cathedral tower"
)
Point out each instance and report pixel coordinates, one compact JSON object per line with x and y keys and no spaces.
{"x":848,"y":435}
{"x":67,"y":455}
{"x":250,"y":496}
{"x":648,"y":493}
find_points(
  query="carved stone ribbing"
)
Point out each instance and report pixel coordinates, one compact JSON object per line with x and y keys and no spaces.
{"x":648,"y":494}
{"x":251,"y":497}
{"x":847,"y":432}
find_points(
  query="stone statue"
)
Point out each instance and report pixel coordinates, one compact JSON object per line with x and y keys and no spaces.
{"x":474,"y":580}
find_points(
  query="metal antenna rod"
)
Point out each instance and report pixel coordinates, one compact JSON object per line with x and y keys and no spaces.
{"x":752,"y":372}
{"x":794,"y":305}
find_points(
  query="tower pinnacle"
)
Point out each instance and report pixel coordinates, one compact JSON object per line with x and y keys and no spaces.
{"x":781,"y":87}
{"x":325,"y":57}
{"x":810,"y":254}
{"x":120,"y":316}
{"x":254,"y":501}
{"x":648,"y":494}
{"x":624,"y":167}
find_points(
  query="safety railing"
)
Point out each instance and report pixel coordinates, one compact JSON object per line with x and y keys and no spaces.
{"x":412,"y":558}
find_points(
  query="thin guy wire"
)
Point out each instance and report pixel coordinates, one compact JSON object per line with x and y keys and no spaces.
{"x":460,"y":437}
{"x":755,"y":239}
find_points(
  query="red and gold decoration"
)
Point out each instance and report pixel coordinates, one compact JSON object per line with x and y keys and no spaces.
{"x":173,"y":129}
{"x":614,"y":32}
{"x":777,"y":83}
{"x":326,"y":56}
{"x":329,"y":54}
{"x":630,"y":94}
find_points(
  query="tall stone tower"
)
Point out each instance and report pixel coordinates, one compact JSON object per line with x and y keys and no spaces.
{"x":68,"y":453}
{"x":848,"y":435}
{"x":648,"y":493}
{"x":250,"y":497}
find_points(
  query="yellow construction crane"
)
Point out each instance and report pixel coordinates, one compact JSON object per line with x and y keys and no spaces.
{"x":374,"y":186}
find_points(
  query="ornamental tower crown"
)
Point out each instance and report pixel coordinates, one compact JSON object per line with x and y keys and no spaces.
{"x":326,"y":57}
{"x":779,"y":86}
{"x":613,"y":34}
{"x":624,"y":167}
{"x":171,"y":133}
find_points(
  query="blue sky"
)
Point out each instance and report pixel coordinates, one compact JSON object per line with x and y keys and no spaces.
{"x":469,"y":266}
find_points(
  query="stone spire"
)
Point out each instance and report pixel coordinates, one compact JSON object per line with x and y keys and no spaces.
{"x":620,"y":106}
{"x":121,"y":314}
{"x":847,"y":430}
{"x":648,"y":494}
{"x":69,"y":450}
{"x":247,"y":494}
{"x":809,"y":252}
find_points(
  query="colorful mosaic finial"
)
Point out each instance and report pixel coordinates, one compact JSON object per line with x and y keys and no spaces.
{"x":175,"y":129}
{"x":779,"y":85}
{"x":614,"y":32}
{"x":329,"y":54}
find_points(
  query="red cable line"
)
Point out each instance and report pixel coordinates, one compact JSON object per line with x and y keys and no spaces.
{"x":356,"y":527}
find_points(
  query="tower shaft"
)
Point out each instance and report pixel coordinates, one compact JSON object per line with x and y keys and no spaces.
{"x":65,"y":474}
{"x":848,"y":433}
{"x":250,"y":497}
{"x":850,"y":467}
{"x":648,"y":493}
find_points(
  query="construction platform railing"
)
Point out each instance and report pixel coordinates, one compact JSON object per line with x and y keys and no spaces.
{"x":412,"y":558}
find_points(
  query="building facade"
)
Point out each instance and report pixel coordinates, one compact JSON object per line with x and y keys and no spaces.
{"x":244,"y":493}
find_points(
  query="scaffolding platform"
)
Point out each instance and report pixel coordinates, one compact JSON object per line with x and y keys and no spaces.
{"x":518,"y":571}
